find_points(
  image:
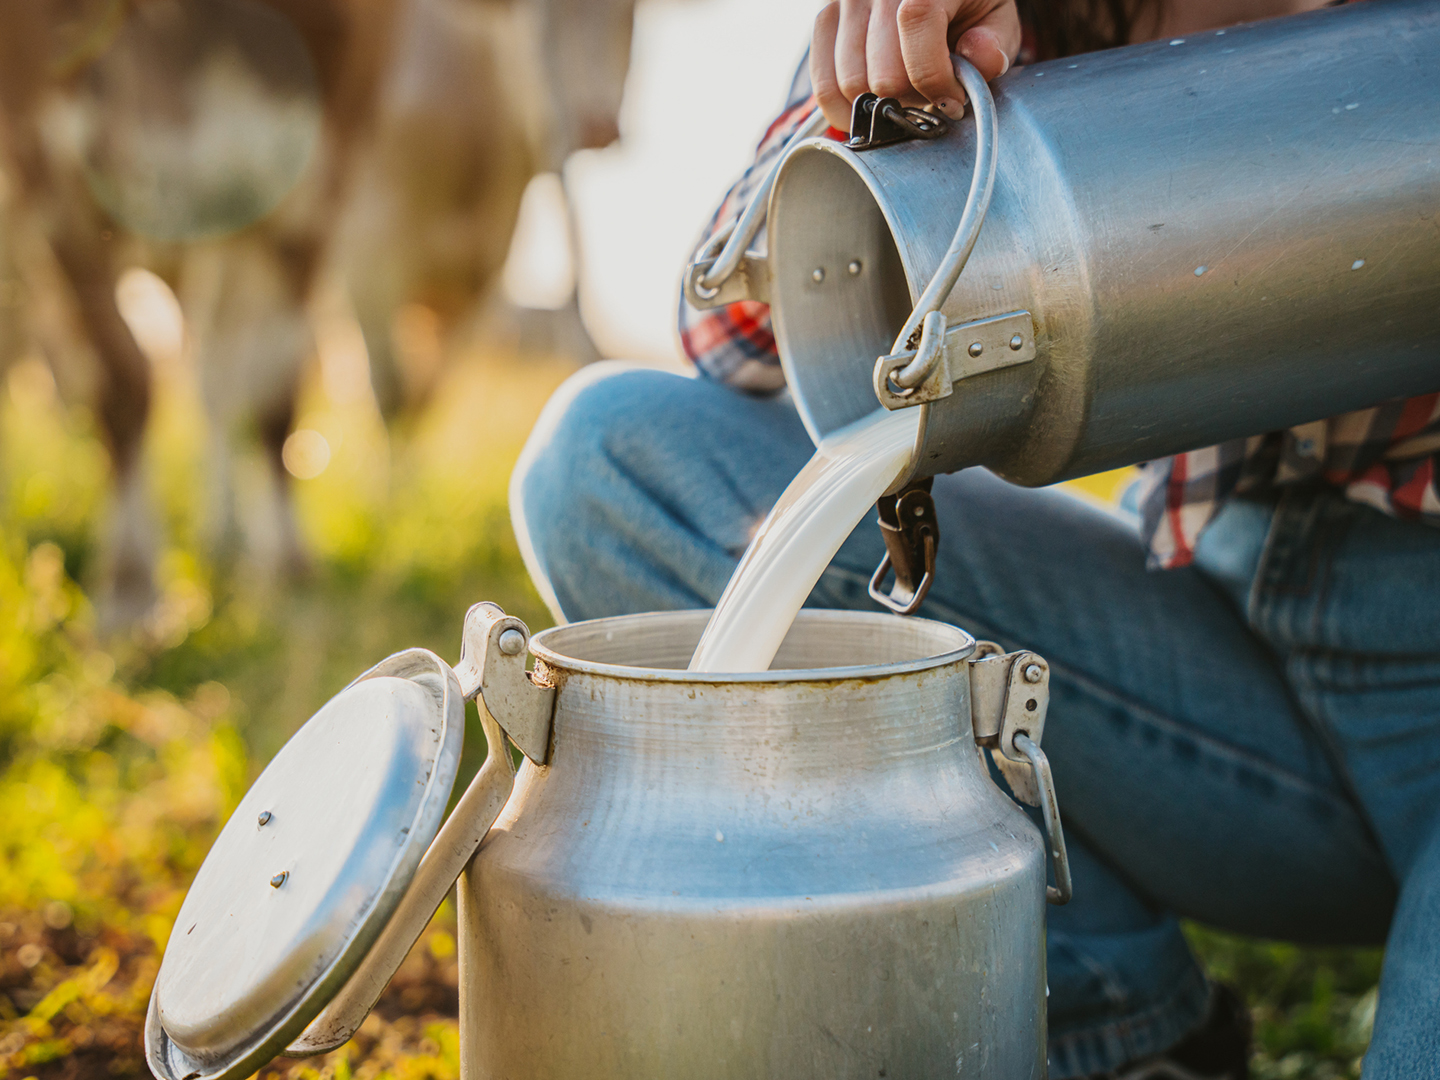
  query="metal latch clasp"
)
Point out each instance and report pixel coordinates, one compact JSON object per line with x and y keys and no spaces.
{"x":880,"y":121}
{"x":492,"y":671}
{"x":1009,"y":698}
{"x":912,"y":538}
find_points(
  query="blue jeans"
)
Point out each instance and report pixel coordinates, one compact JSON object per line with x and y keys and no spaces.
{"x":1253,"y":742}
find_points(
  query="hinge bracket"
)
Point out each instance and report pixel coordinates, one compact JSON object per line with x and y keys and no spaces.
{"x":492,"y":671}
{"x":880,"y":121}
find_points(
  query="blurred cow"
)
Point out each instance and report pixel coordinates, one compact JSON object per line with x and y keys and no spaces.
{"x":437,"y":201}
{"x":216,"y":140}
{"x":134,"y":128}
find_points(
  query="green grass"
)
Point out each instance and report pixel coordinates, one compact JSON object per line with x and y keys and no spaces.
{"x":120,"y":758}
{"x":1313,"y":1008}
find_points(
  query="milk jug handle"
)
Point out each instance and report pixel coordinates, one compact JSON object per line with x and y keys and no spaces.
{"x":710,"y":271}
{"x":977,"y":205}
{"x":492,"y":671}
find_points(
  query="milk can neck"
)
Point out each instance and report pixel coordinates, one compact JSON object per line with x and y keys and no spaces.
{"x":714,"y":730}
{"x":797,"y":717}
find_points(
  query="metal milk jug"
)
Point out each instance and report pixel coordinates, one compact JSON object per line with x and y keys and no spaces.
{"x":805,"y":872}
{"x":1163,"y":246}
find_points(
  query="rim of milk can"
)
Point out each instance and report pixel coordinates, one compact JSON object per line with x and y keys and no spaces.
{"x":557,"y":646}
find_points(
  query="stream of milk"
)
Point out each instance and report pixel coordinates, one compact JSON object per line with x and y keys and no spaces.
{"x":851,"y":468}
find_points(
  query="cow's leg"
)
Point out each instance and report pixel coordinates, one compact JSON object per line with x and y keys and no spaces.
{"x":572,"y":335}
{"x":350,"y":43}
{"x":13,"y":337}
{"x":82,"y":239}
{"x":122,"y":408}
{"x":374,"y":258}
{"x":457,"y":140}
{"x":274,"y":422}
{"x":299,"y":261}
{"x":251,"y":338}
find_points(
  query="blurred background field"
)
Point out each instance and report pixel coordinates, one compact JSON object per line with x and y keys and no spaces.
{"x":122,"y":757}
{"x":124,"y":748}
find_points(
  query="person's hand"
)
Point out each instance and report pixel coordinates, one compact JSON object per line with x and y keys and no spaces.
{"x":901,"y":49}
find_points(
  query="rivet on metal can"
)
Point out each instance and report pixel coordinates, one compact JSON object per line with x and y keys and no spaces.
{"x":264,"y":818}
{"x":279,"y":879}
{"x":1017,"y":341}
{"x":975,"y":348}
{"x":855,"y":267}
{"x":818,"y":274}
{"x":512,"y":642}
{"x":1033,"y":673}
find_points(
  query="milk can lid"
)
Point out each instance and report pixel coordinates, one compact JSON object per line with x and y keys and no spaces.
{"x":307,"y":871}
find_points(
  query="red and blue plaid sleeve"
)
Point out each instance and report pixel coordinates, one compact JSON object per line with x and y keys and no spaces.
{"x":734,"y":344}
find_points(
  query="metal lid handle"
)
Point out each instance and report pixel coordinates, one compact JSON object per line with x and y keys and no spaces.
{"x":492,"y":671}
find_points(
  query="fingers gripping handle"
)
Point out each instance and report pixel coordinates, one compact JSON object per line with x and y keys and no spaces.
{"x":492,"y":671}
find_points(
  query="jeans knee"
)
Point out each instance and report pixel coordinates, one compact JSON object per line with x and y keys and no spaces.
{"x":584,"y":431}
{"x":576,"y":454}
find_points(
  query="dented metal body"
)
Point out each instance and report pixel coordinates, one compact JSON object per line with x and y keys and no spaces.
{"x":1212,"y":236}
{"x":803,"y":873}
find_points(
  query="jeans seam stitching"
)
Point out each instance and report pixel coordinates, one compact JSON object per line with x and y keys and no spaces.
{"x":1160,"y":720}
{"x":1086,"y":1044}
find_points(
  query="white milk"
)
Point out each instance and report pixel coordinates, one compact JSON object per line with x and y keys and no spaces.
{"x":850,"y":470}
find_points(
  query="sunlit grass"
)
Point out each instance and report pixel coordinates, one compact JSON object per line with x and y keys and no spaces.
{"x":122,"y":757}
{"x":110,"y":799}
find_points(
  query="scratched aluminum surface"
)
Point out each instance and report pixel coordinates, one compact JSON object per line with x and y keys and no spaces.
{"x":1216,"y":235}
{"x":802,"y":876}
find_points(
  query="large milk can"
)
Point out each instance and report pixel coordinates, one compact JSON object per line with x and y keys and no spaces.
{"x":801,"y":873}
{"x":1186,"y":241}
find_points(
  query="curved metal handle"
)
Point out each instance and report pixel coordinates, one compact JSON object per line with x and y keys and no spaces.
{"x":1009,"y":700}
{"x":916,"y":596}
{"x":911,"y":532}
{"x":920,"y":344}
{"x":1062,"y":890}
{"x":709,"y":271}
{"x":492,"y":659}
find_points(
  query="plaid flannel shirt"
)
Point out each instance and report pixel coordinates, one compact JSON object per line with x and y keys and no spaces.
{"x":1384,"y":456}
